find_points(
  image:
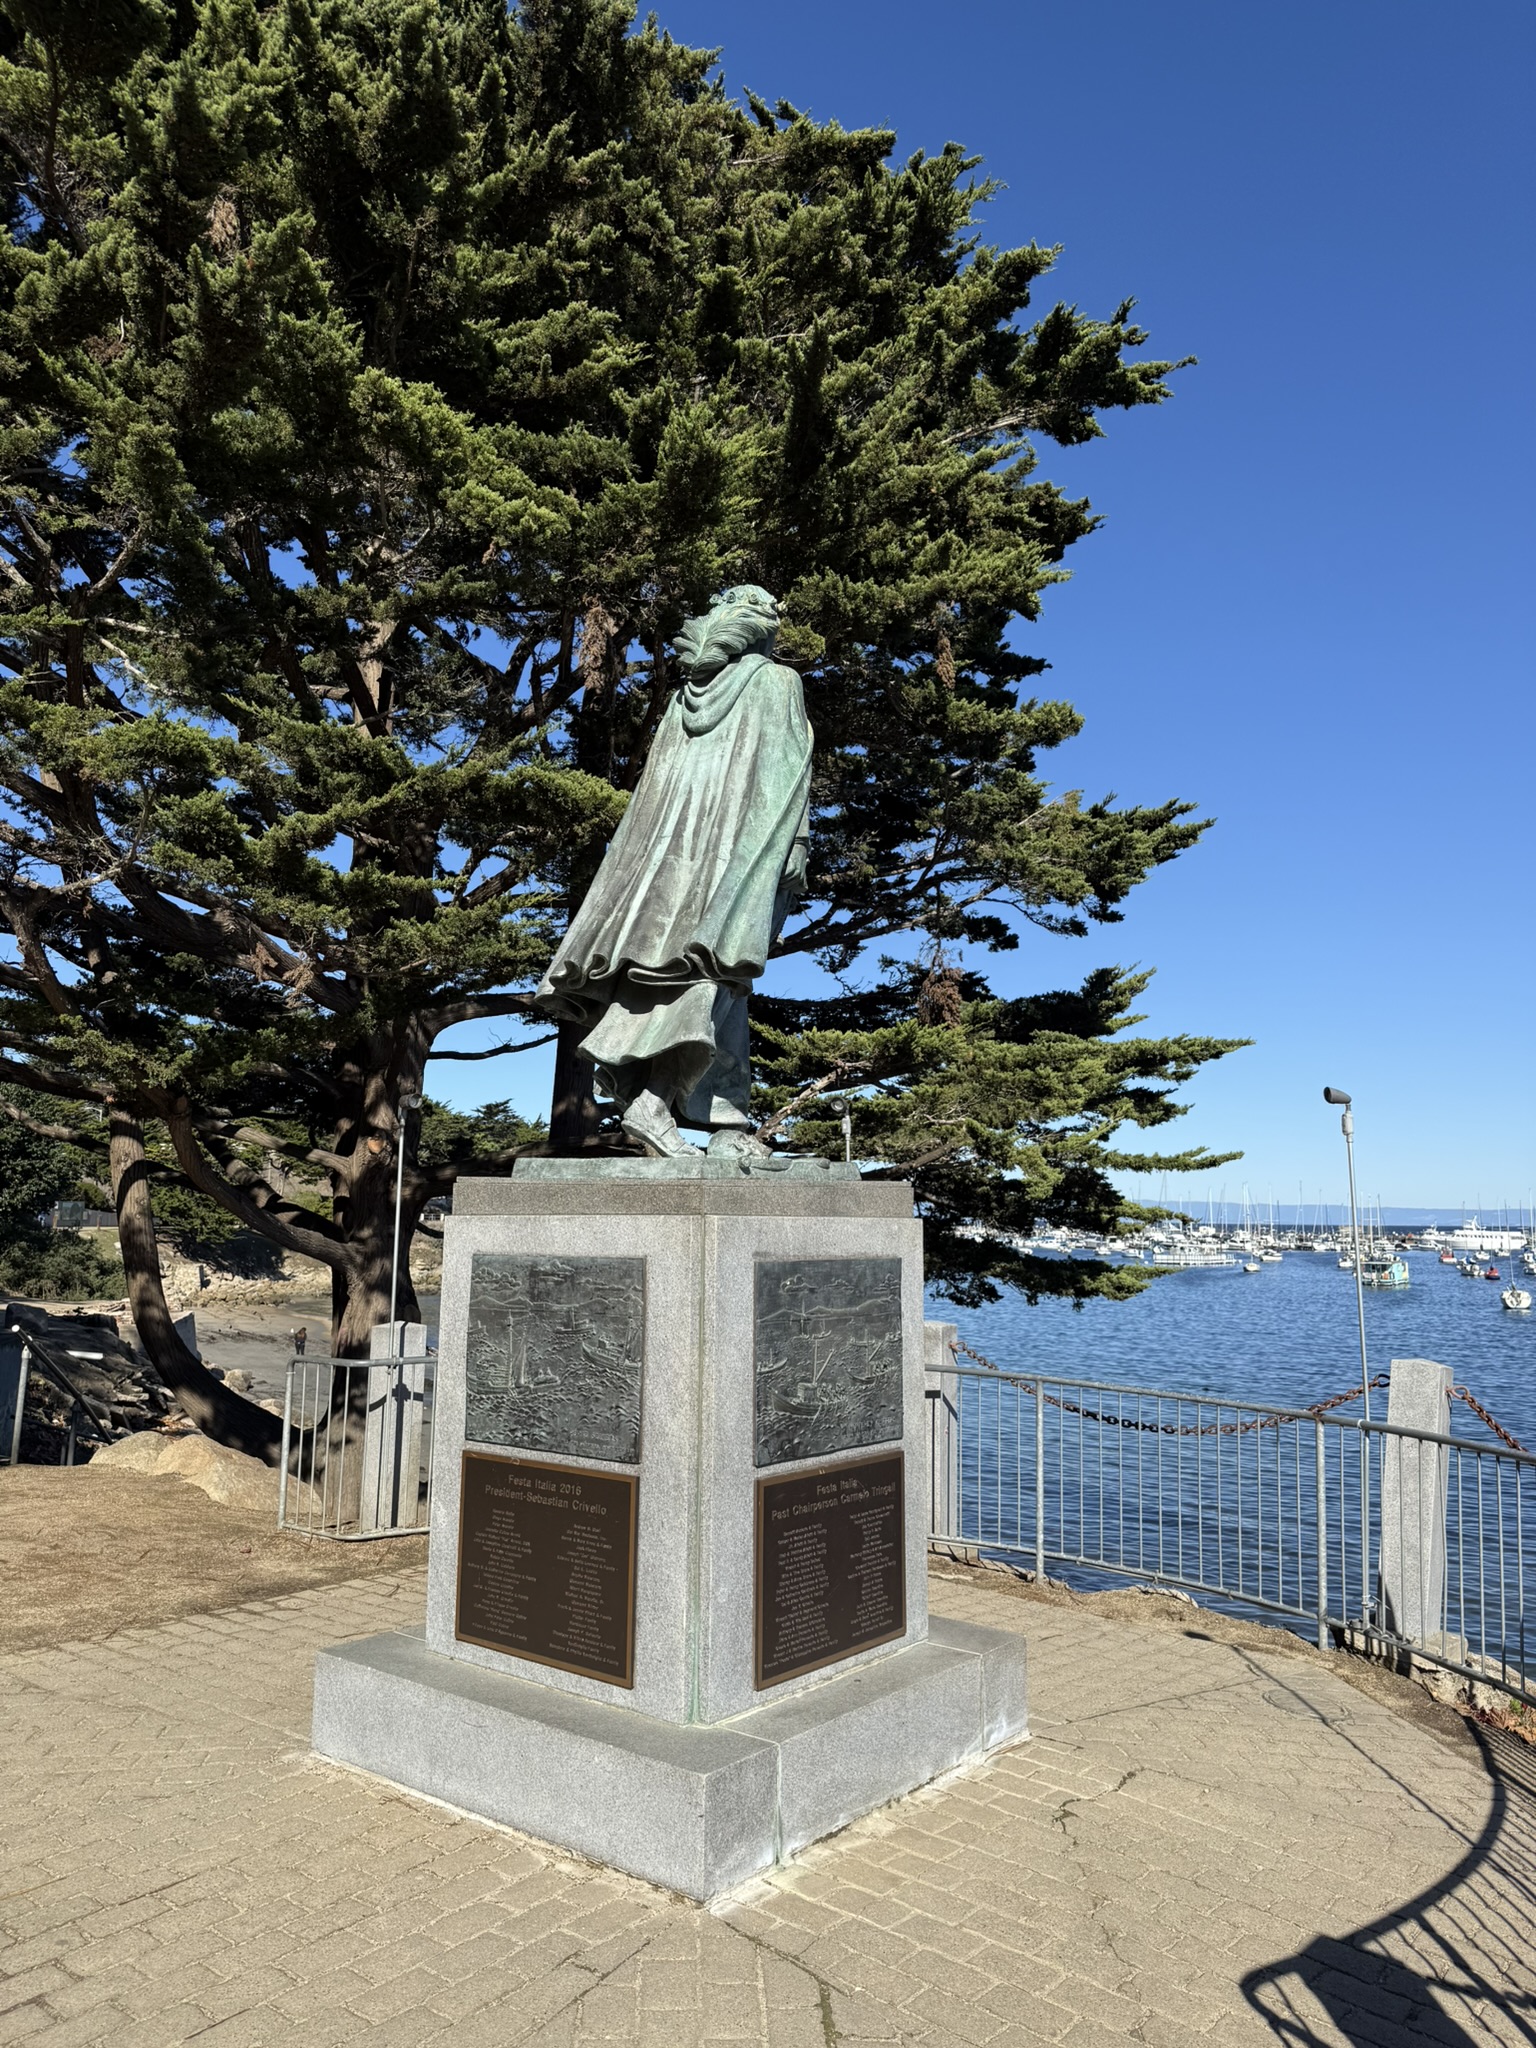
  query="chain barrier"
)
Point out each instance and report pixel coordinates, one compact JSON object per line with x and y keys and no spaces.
{"x":1461,"y":1394}
{"x":1173,"y":1428}
{"x":1380,"y":1379}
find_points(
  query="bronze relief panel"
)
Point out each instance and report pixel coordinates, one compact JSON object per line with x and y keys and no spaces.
{"x":555,"y":1353}
{"x":827,"y":1356}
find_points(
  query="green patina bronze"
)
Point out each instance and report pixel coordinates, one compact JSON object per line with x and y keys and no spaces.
{"x":704,"y":867}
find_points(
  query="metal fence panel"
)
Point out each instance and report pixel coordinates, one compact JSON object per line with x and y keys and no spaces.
{"x":1409,"y":1539}
{"x":357,"y":1447}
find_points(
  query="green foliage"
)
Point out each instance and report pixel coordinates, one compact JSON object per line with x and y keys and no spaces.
{"x":1002,"y":1114}
{"x":199,"y":1228}
{"x":486,"y":1138}
{"x":36,"y":1170}
{"x":386,"y":386}
{"x":58,"y":1266}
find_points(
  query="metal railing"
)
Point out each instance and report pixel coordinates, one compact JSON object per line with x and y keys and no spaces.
{"x":1408,"y":1540}
{"x":357,"y":1447}
{"x":21,"y":1354}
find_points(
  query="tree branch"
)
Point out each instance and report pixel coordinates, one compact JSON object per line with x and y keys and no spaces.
{"x":47,"y":1080}
{"x":252,"y":1134}
{"x":842,"y":1071}
{"x":62,"y":1134}
{"x":470,"y":1011}
{"x":492,"y":1052}
{"x":257,"y":1205}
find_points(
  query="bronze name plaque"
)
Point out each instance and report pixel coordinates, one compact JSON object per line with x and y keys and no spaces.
{"x":547,"y":1564}
{"x":831,"y":1565}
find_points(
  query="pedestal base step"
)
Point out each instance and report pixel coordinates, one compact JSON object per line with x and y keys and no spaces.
{"x":697,"y":1809}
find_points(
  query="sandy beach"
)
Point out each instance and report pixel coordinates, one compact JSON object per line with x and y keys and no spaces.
{"x":257,"y":1337}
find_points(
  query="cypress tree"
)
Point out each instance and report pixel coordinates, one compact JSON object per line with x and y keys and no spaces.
{"x":384,"y":385}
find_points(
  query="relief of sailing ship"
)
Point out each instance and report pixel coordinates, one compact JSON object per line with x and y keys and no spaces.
{"x":827,"y":1355}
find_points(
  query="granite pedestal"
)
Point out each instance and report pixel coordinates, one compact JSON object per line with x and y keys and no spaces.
{"x":677,"y":1610}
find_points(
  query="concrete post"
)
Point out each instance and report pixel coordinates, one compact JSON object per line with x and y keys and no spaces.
{"x":186,"y":1329}
{"x":1413,"y":1475}
{"x":942,"y":1391}
{"x":392,"y":1427}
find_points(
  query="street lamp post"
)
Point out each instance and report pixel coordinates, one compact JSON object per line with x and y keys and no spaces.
{"x":407,"y":1104}
{"x":1347,"y":1125}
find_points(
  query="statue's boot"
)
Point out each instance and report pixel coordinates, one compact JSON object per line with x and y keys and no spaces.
{"x":739,"y":1143}
{"x":651,"y":1124}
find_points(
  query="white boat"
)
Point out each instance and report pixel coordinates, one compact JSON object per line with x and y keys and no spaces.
{"x":1473,"y":1236}
{"x":1516,"y":1298}
{"x":1186,"y":1256}
{"x":1252,"y":1266}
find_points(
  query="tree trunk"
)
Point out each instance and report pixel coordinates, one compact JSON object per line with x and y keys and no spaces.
{"x":573,"y":1117}
{"x":218,"y":1412}
{"x":365,"y":1206}
{"x":573,"y":1107}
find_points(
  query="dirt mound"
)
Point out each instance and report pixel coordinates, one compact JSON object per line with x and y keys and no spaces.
{"x":83,"y":1555}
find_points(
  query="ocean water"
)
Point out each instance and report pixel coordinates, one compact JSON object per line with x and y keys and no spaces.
{"x":1156,"y":1490}
{"x":1286,"y":1334}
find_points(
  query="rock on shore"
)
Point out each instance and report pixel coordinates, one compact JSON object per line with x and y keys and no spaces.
{"x":228,"y":1477}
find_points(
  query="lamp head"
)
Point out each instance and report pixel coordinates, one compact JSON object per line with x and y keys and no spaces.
{"x":1337,"y":1096}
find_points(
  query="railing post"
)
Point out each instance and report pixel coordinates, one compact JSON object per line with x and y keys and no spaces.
{"x":1039,"y":1482}
{"x":1413,"y":1501}
{"x":1322,"y":1535}
{"x":1364,"y":1439}
{"x":942,"y":1389}
{"x":15,"y":1368}
{"x":282,"y":1470}
{"x":391,"y":1453}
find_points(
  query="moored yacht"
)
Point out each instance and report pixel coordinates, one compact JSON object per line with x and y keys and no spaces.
{"x":1472,"y":1236}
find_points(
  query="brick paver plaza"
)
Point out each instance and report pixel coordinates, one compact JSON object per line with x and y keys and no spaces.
{"x":1200,"y":1842}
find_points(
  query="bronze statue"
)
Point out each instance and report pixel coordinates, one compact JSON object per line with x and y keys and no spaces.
{"x":706,"y":864}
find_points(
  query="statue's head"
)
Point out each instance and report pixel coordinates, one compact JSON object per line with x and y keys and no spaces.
{"x":742,"y":620}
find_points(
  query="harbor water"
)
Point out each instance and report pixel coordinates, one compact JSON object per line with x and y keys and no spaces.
{"x":1188,"y":1492}
{"x":1286,"y":1334}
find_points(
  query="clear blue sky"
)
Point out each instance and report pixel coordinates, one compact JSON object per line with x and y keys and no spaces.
{"x":1308,"y":609}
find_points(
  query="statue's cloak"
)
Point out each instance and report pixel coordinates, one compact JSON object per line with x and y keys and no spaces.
{"x":698,"y":874}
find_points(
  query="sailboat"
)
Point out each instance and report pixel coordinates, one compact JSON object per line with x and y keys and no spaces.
{"x":807,"y":1396}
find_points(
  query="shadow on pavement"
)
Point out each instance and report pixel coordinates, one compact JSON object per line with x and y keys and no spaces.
{"x":1452,"y":1965}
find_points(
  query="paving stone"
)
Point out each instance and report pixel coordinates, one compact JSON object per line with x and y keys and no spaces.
{"x":22,"y":2022}
{"x":1171,"y":1861}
